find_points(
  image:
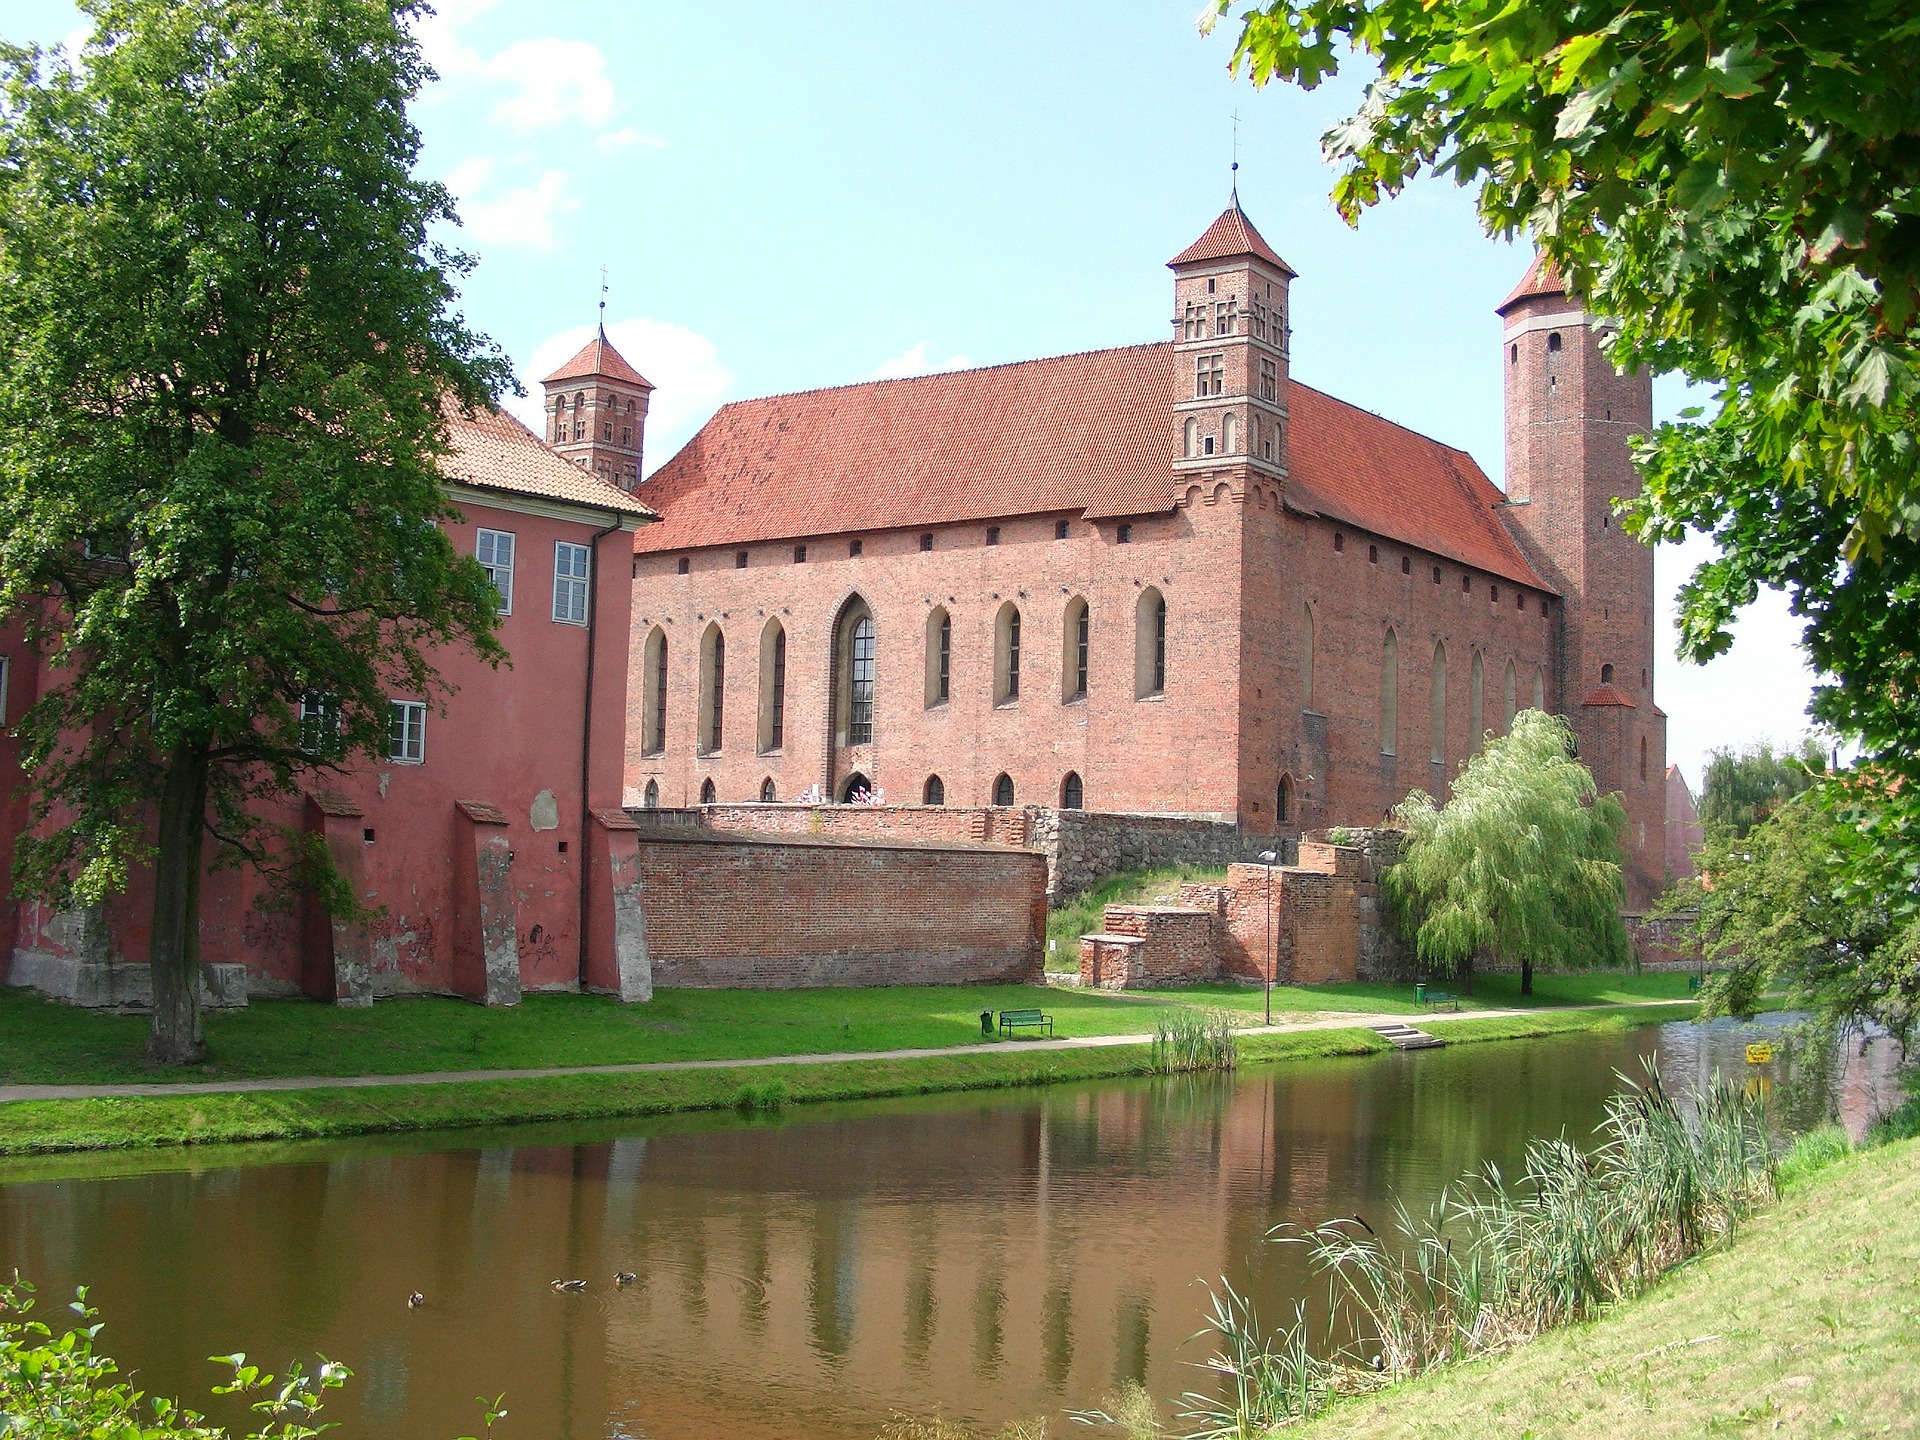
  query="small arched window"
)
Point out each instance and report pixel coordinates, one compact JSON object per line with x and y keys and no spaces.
{"x":1150,"y":645}
{"x":1006,"y":654}
{"x":1075,"y":651}
{"x":707,"y":792}
{"x":935,"y":791}
{"x":1511,"y":696}
{"x":1437,"y":718}
{"x":1553,"y":343}
{"x":653,"y":702}
{"x":1191,"y":444}
{"x":1606,"y":674}
{"x":1072,"y":793}
{"x":939,"y":664}
{"x":768,"y":794}
{"x":651,"y":800}
{"x":1003,"y":790}
{"x":713,"y":689}
{"x":1283,"y":801}
{"x":1390,"y":694}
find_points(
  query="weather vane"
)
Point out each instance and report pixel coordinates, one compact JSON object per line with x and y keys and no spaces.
{"x":1235,"y":171}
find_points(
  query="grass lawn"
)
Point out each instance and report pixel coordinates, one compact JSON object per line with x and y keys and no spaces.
{"x":56,"y":1044}
{"x":1808,"y":1325}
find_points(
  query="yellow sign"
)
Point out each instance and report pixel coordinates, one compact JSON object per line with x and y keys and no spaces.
{"x":1760,"y":1054}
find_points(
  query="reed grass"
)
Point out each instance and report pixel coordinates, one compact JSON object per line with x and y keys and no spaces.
{"x":1185,"y":1041}
{"x":1495,"y":1261}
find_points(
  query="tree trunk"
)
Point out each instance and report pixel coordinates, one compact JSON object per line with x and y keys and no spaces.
{"x":1466,"y":976}
{"x":175,"y":952}
{"x":1526,"y":976}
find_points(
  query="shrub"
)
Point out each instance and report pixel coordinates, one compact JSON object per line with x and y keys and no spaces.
{"x":1188,"y":1040}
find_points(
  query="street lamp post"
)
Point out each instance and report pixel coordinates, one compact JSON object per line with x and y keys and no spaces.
{"x":1267,"y":857}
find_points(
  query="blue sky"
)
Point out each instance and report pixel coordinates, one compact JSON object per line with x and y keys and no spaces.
{"x":790,"y":196}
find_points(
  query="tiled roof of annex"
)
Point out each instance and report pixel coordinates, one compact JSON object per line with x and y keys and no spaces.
{"x":493,"y":451}
{"x":1089,"y":433}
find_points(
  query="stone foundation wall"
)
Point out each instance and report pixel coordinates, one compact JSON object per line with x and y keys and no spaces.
{"x":1178,"y":946}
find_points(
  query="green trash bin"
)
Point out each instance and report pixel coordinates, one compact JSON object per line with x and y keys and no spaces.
{"x":1419,"y":994}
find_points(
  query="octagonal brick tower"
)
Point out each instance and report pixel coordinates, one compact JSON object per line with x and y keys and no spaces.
{"x":1571,"y":420}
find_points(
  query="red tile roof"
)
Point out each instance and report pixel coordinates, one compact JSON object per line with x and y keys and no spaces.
{"x":598,"y":357}
{"x":1607,"y":695}
{"x":1088,"y":433}
{"x":1230,"y":236}
{"x":1541,"y":279}
{"x":494,"y":451}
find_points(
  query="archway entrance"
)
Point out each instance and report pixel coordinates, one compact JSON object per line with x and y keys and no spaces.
{"x":857,"y":791}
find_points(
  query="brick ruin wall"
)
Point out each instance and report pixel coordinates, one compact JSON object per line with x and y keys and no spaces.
{"x":1082,"y":847}
{"x":766,"y":913}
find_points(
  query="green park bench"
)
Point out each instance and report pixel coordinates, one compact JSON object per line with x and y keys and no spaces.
{"x":1011,"y":1020}
{"x":1439,"y":999}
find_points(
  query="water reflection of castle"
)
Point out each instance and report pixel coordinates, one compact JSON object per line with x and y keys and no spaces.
{"x":1010,"y":1256}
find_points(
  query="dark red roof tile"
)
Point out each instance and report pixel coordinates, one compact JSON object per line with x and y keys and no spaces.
{"x":1229,"y":237}
{"x":1088,"y":433}
{"x":598,"y":357}
{"x":1541,"y":279}
{"x":1607,"y":695}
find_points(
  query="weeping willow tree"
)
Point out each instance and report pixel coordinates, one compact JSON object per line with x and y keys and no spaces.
{"x":1522,"y":864}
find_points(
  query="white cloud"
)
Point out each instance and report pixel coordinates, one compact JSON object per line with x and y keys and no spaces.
{"x":627,"y":138}
{"x":549,"y":82}
{"x":917,"y":359}
{"x":1757,"y":691}
{"x":685,"y":367}
{"x":508,"y":216}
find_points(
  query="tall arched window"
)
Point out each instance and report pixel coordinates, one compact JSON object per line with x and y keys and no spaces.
{"x":768,"y":794}
{"x":1003,"y":790}
{"x":939,"y":686}
{"x":1230,"y":435}
{"x":1306,"y":658}
{"x":935,"y":792}
{"x":1283,"y":801}
{"x":1511,"y":697}
{"x":1477,"y":699}
{"x":1073,"y":793}
{"x":854,"y":658}
{"x":1643,"y":759}
{"x":1075,"y":632}
{"x":707,"y":793}
{"x":1191,"y":443}
{"x":1539,"y":687}
{"x":773,"y":687}
{"x":1389,"y":694}
{"x":653,"y":699}
{"x":1006,"y":654}
{"x":651,"y":800}
{"x":1437,"y":718}
{"x":713,"y":688}
{"x":1150,"y":645}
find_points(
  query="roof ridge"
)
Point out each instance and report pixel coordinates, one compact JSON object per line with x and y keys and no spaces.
{"x":942,"y":374}
{"x":1389,"y":420}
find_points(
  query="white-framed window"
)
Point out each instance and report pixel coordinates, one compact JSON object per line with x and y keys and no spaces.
{"x":407,"y":732}
{"x":1209,"y":375}
{"x":494,"y":550}
{"x":571,"y":565}
{"x":320,"y":723}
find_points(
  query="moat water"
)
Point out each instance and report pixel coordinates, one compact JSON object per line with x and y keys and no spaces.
{"x":986,"y":1257}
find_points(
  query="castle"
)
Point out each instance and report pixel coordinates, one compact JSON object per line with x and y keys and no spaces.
{"x":1166,"y":578}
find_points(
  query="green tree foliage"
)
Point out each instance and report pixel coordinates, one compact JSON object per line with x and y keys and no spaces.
{"x":1804,"y":902}
{"x":226,"y":342}
{"x":1743,"y":787}
{"x":1522,"y":863}
{"x":1734,"y":183}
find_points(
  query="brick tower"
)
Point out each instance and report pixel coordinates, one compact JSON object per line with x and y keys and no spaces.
{"x":596,"y":407}
{"x":1571,"y":419}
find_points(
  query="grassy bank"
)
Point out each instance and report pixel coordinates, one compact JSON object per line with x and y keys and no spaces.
{"x":1807,"y":1324}
{"x":40,"y":1127}
{"x":53,"y":1044}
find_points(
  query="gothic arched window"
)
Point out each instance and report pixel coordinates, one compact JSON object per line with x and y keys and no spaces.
{"x":939,"y":686}
{"x":1006,"y":654}
{"x":1437,"y":720}
{"x":935,"y":792}
{"x":767,"y":792}
{"x":1075,"y":632}
{"x":713,"y":688}
{"x":653,"y":700}
{"x":854,"y":658}
{"x":1003,"y":790}
{"x":1389,"y":694}
{"x":1150,"y":644}
{"x":773,"y":687}
{"x":1072,"y":792}
{"x":707,"y":792}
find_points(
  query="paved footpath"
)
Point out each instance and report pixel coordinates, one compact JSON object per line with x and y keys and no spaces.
{"x":1323,"y":1021}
